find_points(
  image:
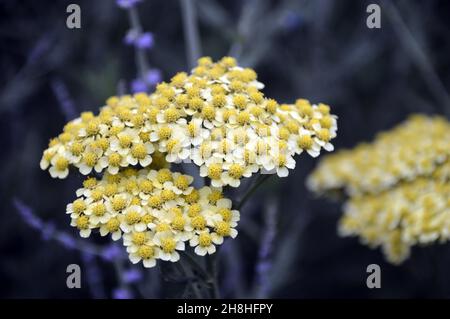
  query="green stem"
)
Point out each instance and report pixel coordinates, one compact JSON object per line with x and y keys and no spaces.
{"x":253,"y":188}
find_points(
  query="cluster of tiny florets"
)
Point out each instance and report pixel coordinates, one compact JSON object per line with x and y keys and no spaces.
{"x":155,"y":213}
{"x":215,"y":117}
{"x":398,"y":186}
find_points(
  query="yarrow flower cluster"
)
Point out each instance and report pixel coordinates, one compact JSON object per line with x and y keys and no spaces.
{"x":217,"y":118}
{"x":155,"y":213}
{"x":398,"y":186}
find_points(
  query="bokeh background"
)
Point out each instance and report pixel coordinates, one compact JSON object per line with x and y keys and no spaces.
{"x":288,"y":245}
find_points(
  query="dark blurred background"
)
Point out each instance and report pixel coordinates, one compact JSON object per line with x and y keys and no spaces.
{"x":288,"y":246}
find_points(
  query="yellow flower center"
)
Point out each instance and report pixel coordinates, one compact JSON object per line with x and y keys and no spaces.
{"x":243,"y":118}
{"x":97,"y":194}
{"x":168,"y":244}
{"x":155,"y":201}
{"x":102,"y":144}
{"x":125,"y":141}
{"x":113,"y":225}
{"x":111,"y":189}
{"x":139,"y":151}
{"x":181,"y":182}
{"x":198,"y":222}
{"x":83,"y":222}
{"x":147,"y":218}
{"x":237,"y":86}
{"x":114,"y":159}
{"x":305,"y":109}
{"x":90,"y":159}
{"x":257,"y":97}
{"x":92,"y":128}
{"x":192,"y":129}
{"x":61,"y":164}
{"x":178,"y":223}
{"x":162,"y":102}
{"x":222,"y":229}
{"x":171,"y":115}
{"x":193,"y":91}
{"x":226,"y":214}
{"x":196,"y":103}
{"x":271,"y":106}
{"x":146,"y":186}
{"x":146,"y":251}
{"x":193,"y":197}
{"x":99,"y":209}
{"x":132,"y":217}
{"x":78,"y":206}
{"x":167,"y":195}
{"x":324,"y":135}
{"x":209,"y":112}
{"x":118,"y":203}
{"x":138,"y":120}
{"x":240,"y":101}
{"x":214,"y":196}
{"x":77,"y":148}
{"x":326,"y":122}
{"x":162,"y":227}
{"x":194,"y":210}
{"x":236,"y":171}
{"x":281,"y":160}
{"x":145,"y":136}
{"x":164,"y":132}
{"x":219,"y":100}
{"x":138,"y":238}
{"x":305,"y":142}
{"x":284,"y":133}
{"x":164,"y":175}
{"x":214,"y":171}
{"x":171,"y":145}
{"x":204,"y":240}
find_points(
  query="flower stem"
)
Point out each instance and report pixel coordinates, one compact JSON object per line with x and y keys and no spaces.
{"x":190,"y":28}
{"x":253,"y":188}
{"x":186,"y":271}
{"x":195,"y":265}
{"x":135,"y":22}
{"x":211,"y":266}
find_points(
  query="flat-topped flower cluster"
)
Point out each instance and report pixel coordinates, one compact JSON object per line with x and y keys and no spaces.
{"x":398,"y":186}
{"x":217,"y":118}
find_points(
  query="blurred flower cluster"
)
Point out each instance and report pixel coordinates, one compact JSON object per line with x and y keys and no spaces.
{"x":397,"y":186}
{"x":215,"y":117}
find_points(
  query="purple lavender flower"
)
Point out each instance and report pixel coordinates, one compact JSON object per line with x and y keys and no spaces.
{"x":48,"y":231}
{"x":145,"y":41}
{"x":131,"y":275}
{"x":130,"y":37}
{"x":153,"y":77}
{"x":27,"y":214}
{"x":122,"y":293}
{"x":65,"y":102}
{"x":126,"y":4}
{"x":67,"y":240}
{"x":111,"y":252}
{"x":138,"y":85}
